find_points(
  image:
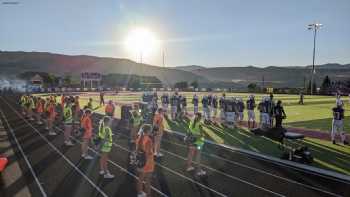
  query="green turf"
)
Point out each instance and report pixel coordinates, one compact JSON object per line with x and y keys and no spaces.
{"x":315,"y":114}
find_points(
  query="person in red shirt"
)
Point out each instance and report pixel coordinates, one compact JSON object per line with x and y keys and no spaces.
{"x":158,"y":127}
{"x":86,"y":123}
{"x":145,"y":143}
{"x":63,"y":98}
{"x":109,"y":109}
{"x":76,"y":113}
{"x":51,"y":115}
{"x":39,"y":110}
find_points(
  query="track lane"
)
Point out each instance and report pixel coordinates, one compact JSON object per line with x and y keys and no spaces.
{"x":177,"y":152}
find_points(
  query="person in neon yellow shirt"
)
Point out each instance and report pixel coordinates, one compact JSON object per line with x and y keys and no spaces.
{"x":105,"y":134}
{"x":195,"y":147}
{"x":68,"y":122}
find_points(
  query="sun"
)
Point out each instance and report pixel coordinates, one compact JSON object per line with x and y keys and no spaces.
{"x":141,"y":42}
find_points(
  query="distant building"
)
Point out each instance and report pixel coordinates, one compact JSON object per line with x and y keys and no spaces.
{"x":37,"y":81}
{"x":90,"y":80}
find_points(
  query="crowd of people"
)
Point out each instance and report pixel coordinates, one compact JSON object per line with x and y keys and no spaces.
{"x":77,"y":122}
{"x":146,"y":132}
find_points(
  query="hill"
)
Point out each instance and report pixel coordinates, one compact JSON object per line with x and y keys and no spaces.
{"x":189,"y":68}
{"x":274,"y":76}
{"x":13,"y":63}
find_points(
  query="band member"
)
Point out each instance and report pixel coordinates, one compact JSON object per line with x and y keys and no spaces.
{"x":195,"y":147}
{"x":144,"y":142}
{"x":68,"y":121}
{"x":135,"y":122}
{"x":158,"y":127}
{"x":39,"y":110}
{"x":86,"y":123}
{"x":51,"y":115}
{"x":110,"y":109}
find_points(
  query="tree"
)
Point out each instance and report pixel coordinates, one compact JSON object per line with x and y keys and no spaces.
{"x":181,"y":85}
{"x":194,"y":84}
{"x":326,"y":85}
{"x":253,"y":87}
{"x":67,"y":80}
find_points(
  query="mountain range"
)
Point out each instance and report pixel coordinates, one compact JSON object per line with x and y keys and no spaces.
{"x":14,"y":63}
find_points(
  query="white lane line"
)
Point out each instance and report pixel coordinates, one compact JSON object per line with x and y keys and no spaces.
{"x":59,"y":152}
{"x":113,"y":163}
{"x":285,"y":163}
{"x":116,"y":165}
{"x":235,"y":178}
{"x":245,"y":166}
{"x":43,"y":193}
{"x":180,"y":175}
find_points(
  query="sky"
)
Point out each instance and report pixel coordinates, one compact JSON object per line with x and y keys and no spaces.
{"x":191,"y":32}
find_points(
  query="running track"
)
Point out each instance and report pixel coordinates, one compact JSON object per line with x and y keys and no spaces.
{"x":51,"y":169}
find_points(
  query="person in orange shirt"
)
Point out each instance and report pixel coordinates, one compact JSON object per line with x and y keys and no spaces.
{"x":76,"y":113}
{"x":39,"y":110}
{"x":63,"y":98}
{"x":144,"y":142}
{"x":109,"y":109}
{"x":158,"y":127}
{"x":51,"y":111}
{"x":86,"y":123}
{"x":46,"y":113}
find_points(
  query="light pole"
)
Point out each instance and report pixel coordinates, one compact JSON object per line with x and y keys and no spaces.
{"x":314,"y":27}
{"x":141,"y":56}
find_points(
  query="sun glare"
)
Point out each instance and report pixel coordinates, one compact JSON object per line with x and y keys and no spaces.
{"x":141,"y":42}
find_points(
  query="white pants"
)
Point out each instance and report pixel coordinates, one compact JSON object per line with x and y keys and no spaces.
{"x":265,"y":118}
{"x":215,"y":112}
{"x":195,"y":109}
{"x":251,"y":115}
{"x":338,"y":126}
{"x":173,"y":111}
{"x":222,"y":114}
{"x":165,"y":107}
{"x":240,"y":116}
{"x":230,"y":117}
{"x":206,"y":112}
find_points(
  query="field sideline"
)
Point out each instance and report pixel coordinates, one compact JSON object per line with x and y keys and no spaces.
{"x":315,"y":114}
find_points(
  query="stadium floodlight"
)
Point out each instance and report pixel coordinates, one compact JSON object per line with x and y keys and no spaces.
{"x":314,"y":27}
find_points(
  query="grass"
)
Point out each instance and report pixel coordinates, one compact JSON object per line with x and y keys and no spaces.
{"x":316,"y":114}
